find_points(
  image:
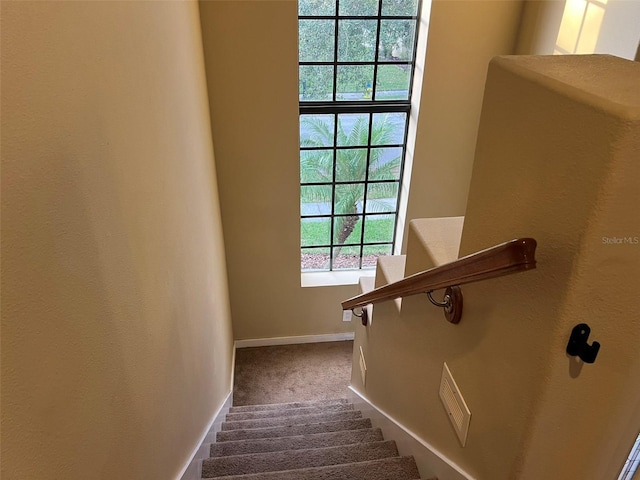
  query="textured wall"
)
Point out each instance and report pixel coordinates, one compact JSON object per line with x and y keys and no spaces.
{"x":539,"y":27}
{"x":116,"y":336}
{"x":251,"y":54}
{"x":611,"y":27}
{"x":556,"y":160}
{"x":463,"y":36}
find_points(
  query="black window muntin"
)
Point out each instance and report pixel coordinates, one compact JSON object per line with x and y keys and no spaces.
{"x":370,"y":106}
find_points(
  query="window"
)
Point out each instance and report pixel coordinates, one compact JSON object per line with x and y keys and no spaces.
{"x":356,"y":62}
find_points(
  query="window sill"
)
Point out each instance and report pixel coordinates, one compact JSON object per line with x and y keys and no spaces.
{"x":327,"y":279}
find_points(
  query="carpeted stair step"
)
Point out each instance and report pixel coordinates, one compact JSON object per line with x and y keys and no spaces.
{"x":297,"y":459}
{"x":394,"y":468}
{"x":293,"y":430}
{"x":293,"y":420}
{"x":289,"y":412}
{"x":325,"y":440}
{"x":298,"y":442}
{"x":275,"y":406}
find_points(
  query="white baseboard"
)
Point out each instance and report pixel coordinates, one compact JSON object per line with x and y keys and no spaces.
{"x":268,"y":342}
{"x":430,"y":461}
{"x":192,"y":470}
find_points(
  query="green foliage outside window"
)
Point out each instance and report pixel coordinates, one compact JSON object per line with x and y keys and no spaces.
{"x":360,"y":52}
{"x":316,"y":166}
{"x":356,"y":43}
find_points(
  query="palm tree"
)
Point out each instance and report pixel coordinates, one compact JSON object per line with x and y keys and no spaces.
{"x":351,"y":166}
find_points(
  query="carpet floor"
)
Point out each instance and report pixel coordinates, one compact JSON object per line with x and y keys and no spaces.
{"x":292,"y":373}
{"x":290,"y":421}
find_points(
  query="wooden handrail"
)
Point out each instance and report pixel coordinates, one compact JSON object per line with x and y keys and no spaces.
{"x":510,"y":257}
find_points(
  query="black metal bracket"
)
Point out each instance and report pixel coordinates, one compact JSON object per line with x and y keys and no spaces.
{"x":578,"y":345}
{"x":363,"y":315}
{"x":452,"y":303}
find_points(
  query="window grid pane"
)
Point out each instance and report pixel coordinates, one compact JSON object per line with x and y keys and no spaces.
{"x":354,"y":114}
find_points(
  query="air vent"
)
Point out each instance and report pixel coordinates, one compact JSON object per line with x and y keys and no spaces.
{"x":454,"y":405}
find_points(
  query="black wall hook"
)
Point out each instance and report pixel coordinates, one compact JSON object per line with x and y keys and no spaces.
{"x":578,"y":345}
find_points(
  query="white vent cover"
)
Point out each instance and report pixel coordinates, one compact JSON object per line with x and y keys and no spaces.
{"x":454,"y":405}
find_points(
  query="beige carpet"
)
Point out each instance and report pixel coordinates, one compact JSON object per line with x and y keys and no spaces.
{"x":292,"y":373}
{"x":321,"y":440}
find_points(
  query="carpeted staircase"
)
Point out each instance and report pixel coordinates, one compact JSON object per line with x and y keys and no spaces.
{"x":322,"y":440}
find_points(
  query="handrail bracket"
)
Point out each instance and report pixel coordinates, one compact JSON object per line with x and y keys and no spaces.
{"x":363,"y":315}
{"x":451,"y":302}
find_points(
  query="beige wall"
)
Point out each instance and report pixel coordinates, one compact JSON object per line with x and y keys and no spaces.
{"x":539,"y":28}
{"x":251,"y":54}
{"x":116,"y":336}
{"x":620,"y":29}
{"x":570,"y":151}
{"x":558,"y":163}
{"x":463,"y":36}
{"x":611,"y":27}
